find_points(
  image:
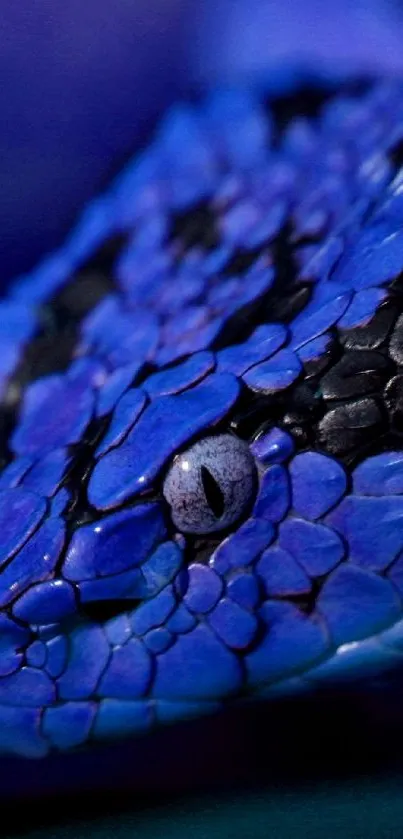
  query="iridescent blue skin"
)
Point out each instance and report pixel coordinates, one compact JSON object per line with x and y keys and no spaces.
{"x":133,"y":590}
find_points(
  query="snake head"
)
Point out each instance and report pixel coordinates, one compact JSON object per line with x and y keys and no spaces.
{"x":202,"y":493}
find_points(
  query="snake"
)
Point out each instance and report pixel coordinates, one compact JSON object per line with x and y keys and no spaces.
{"x":201,"y":425}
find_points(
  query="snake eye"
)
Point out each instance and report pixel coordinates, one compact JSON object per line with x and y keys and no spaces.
{"x":211,"y":485}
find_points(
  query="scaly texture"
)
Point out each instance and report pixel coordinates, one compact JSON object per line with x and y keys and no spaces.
{"x":201,"y":486}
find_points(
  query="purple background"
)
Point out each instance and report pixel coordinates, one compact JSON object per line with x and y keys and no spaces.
{"x":83,"y":82}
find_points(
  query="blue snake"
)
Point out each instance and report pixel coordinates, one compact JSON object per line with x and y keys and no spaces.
{"x":201,"y":420}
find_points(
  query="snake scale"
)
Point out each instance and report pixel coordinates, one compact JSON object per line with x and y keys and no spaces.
{"x":201,"y":420}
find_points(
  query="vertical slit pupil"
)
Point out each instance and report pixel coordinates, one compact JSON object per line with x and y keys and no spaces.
{"x":212,"y":491}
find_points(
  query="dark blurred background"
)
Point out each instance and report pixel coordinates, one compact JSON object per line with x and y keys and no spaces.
{"x":323,"y":768}
{"x":82,"y":84}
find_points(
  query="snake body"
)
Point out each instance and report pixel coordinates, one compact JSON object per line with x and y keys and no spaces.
{"x":201,"y":460}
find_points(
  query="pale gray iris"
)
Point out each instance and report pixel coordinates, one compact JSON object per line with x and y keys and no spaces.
{"x":211,"y":485}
